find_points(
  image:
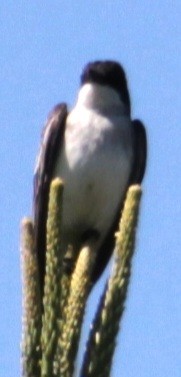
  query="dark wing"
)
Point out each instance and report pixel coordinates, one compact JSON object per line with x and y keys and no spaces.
{"x":140,"y":152}
{"x":52,"y":139}
{"x":137,"y":174}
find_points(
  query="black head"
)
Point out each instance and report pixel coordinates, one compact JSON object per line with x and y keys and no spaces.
{"x":108,"y":73}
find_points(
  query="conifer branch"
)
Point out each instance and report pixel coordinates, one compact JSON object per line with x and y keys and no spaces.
{"x":31,"y":303}
{"x":102,"y":340}
{"x":52,"y":289}
{"x":79,"y":290}
{"x":65,"y":297}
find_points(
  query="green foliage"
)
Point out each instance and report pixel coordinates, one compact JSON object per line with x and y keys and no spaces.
{"x":52,"y":288}
{"x":31,"y":303}
{"x":50,"y":339}
{"x":102,"y":339}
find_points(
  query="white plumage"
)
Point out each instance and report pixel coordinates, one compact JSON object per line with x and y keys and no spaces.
{"x":95,"y":162}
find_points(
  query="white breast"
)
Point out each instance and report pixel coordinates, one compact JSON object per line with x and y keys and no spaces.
{"x":95,"y":164}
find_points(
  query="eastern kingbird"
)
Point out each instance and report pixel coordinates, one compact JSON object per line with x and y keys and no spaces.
{"x":98,"y":151}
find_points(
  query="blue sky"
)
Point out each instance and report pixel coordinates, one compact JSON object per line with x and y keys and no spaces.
{"x":43,"y":49}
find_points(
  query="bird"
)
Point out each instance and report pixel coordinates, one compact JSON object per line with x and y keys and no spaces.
{"x":98,"y":151}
